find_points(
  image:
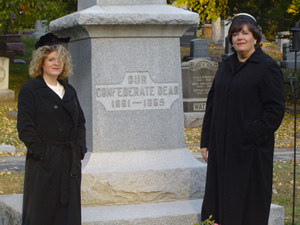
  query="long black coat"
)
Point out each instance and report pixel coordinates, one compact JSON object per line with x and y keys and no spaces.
{"x":53,"y":130}
{"x":245,"y":106}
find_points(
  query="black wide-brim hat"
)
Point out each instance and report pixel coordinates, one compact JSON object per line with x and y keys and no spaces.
{"x":50,"y":39}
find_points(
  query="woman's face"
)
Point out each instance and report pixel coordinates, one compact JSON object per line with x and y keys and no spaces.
{"x":244,"y":42}
{"x":52,"y":65}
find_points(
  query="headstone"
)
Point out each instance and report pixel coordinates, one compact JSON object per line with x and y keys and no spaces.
{"x":281,"y":38}
{"x":189,"y":35}
{"x":207,"y":30}
{"x":40,"y":28}
{"x":12,"y":115}
{"x":228,"y":50}
{"x":289,"y":57}
{"x":19,"y":61}
{"x":224,"y":31}
{"x":198,"y":49}
{"x":11,"y":46}
{"x":126,"y":57}
{"x":6,"y":95}
{"x":216,"y":31}
{"x":197,"y":78}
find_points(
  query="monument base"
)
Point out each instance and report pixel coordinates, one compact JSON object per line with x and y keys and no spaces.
{"x":138,"y":177}
{"x":7,"y":95}
{"x":175,"y":213}
{"x":193,"y":119}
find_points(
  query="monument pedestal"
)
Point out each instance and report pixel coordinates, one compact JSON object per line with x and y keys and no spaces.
{"x":138,"y":177}
{"x":175,"y":213}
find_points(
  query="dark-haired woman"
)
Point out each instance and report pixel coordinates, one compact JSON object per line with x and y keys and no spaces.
{"x":52,"y":126}
{"x":245,"y":107}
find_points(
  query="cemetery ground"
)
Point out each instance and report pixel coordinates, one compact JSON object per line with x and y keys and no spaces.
{"x":12,"y":182}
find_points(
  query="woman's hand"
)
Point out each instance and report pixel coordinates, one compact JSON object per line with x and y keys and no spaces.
{"x":204,"y":153}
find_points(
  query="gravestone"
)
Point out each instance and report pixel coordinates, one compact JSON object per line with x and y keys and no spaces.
{"x":207,"y":31}
{"x":228,"y":50}
{"x":11,"y":46}
{"x":6,"y":95}
{"x":289,"y":57}
{"x":197,"y":78}
{"x":198,"y":49}
{"x":40,"y":28}
{"x":189,"y":35}
{"x":281,"y":38}
{"x":127,"y":67}
{"x":224,"y":31}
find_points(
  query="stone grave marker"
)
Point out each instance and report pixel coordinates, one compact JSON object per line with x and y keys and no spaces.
{"x":198,"y":49}
{"x":6,"y":94}
{"x":40,"y":28}
{"x":197,"y":78}
{"x":189,"y":35}
{"x":289,"y":57}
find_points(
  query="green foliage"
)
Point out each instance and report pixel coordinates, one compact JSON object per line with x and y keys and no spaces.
{"x":16,"y":15}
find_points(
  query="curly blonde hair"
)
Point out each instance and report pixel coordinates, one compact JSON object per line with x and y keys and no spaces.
{"x":39,"y":55}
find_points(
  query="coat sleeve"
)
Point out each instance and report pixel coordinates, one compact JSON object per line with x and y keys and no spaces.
{"x":207,"y":118}
{"x":26,"y":121}
{"x":81,"y":130}
{"x":273,"y":103}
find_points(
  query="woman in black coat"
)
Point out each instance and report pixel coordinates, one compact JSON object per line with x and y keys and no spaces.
{"x":52,"y":126}
{"x":245,"y":106}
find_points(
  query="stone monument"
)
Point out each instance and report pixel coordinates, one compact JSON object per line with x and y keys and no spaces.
{"x":6,"y":95}
{"x":127,"y":68}
{"x":197,"y":78}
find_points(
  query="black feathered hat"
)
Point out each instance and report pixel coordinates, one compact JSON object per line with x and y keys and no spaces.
{"x":50,"y":39}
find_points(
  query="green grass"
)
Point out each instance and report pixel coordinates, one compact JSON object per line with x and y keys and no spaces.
{"x":283,"y":189}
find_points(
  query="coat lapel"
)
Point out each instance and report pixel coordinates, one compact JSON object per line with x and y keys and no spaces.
{"x":68,"y":102}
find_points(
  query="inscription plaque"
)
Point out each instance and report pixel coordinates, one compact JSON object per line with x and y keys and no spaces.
{"x":137,"y":92}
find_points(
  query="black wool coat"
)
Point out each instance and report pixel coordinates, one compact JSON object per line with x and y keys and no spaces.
{"x":53,"y":130}
{"x":245,"y":106}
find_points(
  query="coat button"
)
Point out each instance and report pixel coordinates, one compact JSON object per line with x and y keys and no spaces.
{"x":60,"y":129}
{"x":55,"y":106}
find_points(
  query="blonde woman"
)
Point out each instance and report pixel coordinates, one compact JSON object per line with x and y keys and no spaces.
{"x":52,"y":126}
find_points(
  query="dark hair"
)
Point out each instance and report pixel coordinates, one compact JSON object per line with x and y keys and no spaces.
{"x":238,"y":25}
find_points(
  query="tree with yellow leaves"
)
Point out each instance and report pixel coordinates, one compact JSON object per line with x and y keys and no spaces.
{"x":294,"y":7}
{"x":207,"y":9}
